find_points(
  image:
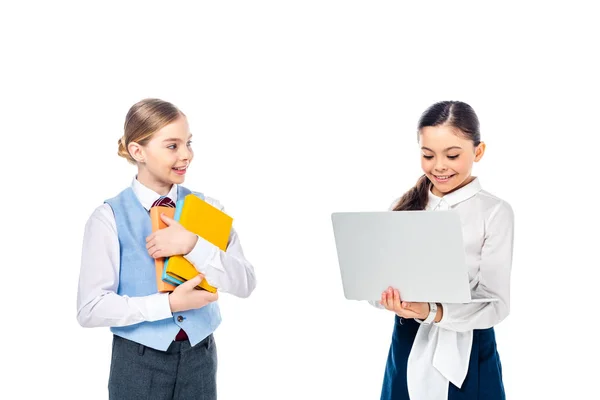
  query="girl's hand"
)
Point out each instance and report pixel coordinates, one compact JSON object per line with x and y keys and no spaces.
{"x":187,"y":297}
{"x":170,"y":241}
{"x":390,"y":299}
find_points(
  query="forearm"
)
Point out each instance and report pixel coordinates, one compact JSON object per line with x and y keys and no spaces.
{"x":233,"y":274}
{"x":98,"y":301}
{"x":440,"y":313}
{"x":229,"y":270}
{"x":110,"y":309}
{"x":465,"y":317}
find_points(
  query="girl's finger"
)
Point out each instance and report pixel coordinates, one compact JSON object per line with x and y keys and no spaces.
{"x":397,"y":303}
{"x":388,"y":302}
{"x":384,"y":300}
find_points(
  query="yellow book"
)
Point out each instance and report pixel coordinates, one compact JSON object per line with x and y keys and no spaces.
{"x":209,"y":223}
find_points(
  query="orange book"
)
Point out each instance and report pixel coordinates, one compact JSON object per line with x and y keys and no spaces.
{"x":157,"y":223}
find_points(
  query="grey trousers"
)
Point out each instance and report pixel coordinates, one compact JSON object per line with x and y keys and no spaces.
{"x":180,"y":373}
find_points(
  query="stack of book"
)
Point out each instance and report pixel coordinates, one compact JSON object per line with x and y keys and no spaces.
{"x":200,"y":218}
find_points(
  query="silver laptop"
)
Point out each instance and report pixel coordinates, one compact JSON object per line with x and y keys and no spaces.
{"x":420,"y":253}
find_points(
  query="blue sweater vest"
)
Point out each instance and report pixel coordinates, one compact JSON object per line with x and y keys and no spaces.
{"x":137,"y":277}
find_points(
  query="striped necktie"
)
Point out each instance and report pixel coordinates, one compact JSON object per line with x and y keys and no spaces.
{"x":164,"y":201}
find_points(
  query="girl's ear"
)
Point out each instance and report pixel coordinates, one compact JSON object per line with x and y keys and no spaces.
{"x":136,"y":151}
{"x":479,"y":150}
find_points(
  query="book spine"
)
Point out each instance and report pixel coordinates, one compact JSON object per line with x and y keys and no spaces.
{"x":178,"y":210}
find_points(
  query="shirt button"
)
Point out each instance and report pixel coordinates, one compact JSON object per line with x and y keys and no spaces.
{"x":179,"y":318}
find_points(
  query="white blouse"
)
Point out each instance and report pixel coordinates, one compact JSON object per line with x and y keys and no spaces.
{"x":441,"y":351}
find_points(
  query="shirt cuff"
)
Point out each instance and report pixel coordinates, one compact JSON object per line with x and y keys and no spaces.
{"x":445,"y":317}
{"x":202,"y":252}
{"x":155,"y":307}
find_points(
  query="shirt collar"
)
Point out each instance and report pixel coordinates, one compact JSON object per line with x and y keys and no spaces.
{"x":147,"y":196}
{"x":458,"y":196}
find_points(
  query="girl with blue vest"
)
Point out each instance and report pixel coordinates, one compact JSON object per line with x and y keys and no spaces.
{"x":448,"y":351}
{"x":163,"y":344}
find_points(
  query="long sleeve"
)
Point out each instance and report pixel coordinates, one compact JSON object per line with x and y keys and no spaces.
{"x":229,"y":270}
{"x":98,"y":303}
{"x":493,"y":278}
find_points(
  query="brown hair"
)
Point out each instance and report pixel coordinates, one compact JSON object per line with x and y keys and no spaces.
{"x":456,"y":114}
{"x":143,"y":119}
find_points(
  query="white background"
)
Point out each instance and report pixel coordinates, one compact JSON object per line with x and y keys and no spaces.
{"x":299,"y":109}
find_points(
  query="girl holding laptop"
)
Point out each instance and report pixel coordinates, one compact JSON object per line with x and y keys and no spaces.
{"x":448,"y":351}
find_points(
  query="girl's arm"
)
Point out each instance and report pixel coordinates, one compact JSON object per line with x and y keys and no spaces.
{"x":493,"y":278}
{"x":98,"y":303}
{"x":229,"y":271}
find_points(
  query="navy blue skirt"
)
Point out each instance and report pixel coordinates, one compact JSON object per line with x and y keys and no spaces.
{"x":484,"y":378}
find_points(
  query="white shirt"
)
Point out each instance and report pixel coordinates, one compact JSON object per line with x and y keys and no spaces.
{"x":98,"y":303}
{"x":441,"y":351}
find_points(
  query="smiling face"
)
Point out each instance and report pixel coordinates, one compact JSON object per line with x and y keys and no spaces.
{"x":164,"y":160}
{"x":447,"y":157}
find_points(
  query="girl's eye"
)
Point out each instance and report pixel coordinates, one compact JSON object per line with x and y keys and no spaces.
{"x":427,"y":157}
{"x":453,"y":157}
{"x":189,"y":143}
{"x":172,"y":147}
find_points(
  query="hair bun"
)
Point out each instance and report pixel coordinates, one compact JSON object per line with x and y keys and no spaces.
{"x":122,"y":151}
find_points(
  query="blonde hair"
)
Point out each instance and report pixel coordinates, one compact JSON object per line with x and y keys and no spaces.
{"x":143,"y":119}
